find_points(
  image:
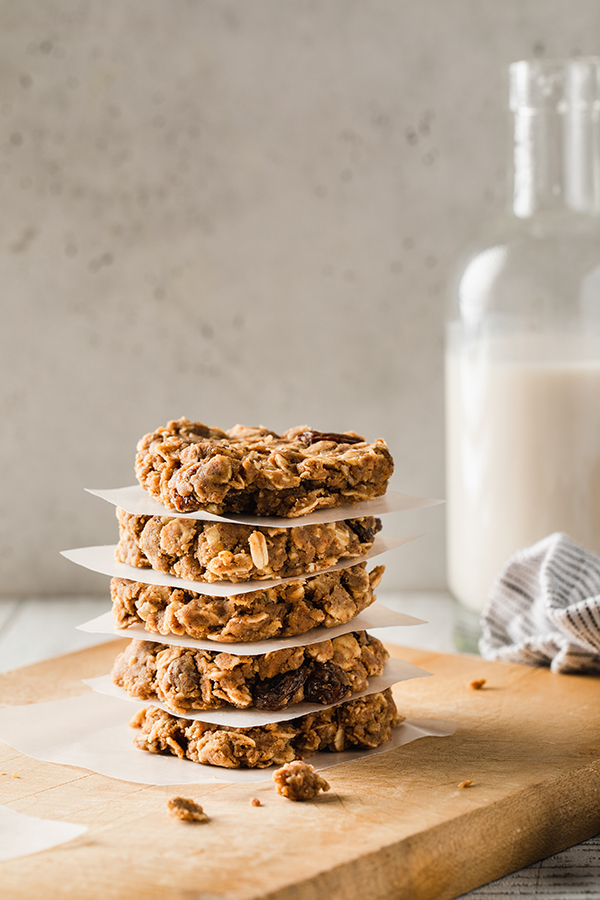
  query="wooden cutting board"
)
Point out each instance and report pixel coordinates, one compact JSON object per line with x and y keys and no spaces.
{"x":394,"y":826}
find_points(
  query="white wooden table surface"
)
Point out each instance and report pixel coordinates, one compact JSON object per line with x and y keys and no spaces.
{"x":37,"y":628}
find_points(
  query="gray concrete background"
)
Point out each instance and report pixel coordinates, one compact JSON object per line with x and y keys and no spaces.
{"x":239,"y":211}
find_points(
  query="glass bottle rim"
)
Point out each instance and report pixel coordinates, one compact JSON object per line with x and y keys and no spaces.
{"x":560,"y":84}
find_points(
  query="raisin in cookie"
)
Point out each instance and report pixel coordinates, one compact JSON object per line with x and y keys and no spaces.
{"x":185,"y":678}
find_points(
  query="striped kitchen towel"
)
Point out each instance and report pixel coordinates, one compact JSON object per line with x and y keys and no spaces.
{"x":544,"y":608}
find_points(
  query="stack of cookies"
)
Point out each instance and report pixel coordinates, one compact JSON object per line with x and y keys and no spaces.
{"x":229,"y":484}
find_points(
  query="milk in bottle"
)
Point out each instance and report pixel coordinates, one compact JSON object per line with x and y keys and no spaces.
{"x":523,"y":342}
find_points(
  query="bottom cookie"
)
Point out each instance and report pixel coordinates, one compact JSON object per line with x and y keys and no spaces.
{"x":364,"y":723}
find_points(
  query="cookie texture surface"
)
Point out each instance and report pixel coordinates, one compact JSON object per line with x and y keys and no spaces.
{"x":289,"y":609}
{"x":364,"y":723}
{"x":189,"y":466}
{"x":184,"y":678}
{"x":225,"y":551}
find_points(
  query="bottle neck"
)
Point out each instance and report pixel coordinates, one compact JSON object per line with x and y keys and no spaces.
{"x":556,"y":164}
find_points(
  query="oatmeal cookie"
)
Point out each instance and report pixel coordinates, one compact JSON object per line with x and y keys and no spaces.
{"x":187,"y":679}
{"x":364,"y":723}
{"x":225,"y":551}
{"x":188,"y":466}
{"x":332,"y":598}
{"x":299,"y":781}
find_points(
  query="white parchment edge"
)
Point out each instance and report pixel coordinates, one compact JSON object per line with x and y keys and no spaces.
{"x":91,"y":731}
{"x":135,"y":500}
{"x":102,"y":559}
{"x":396,"y":670}
{"x":22,"y":835}
{"x":375,"y":616}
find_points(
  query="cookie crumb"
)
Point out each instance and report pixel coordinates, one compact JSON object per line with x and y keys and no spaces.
{"x":255,"y":802}
{"x":16,"y":776}
{"x":185,"y":809}
{"x":477,"y":684}
{"x":466,"y":784}
{"x":299,"y":781}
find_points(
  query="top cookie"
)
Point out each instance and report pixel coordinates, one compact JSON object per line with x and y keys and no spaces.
{"x":189,"y":466}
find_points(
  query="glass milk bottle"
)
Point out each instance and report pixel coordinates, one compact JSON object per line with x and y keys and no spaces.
{"x":523,"y":341}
